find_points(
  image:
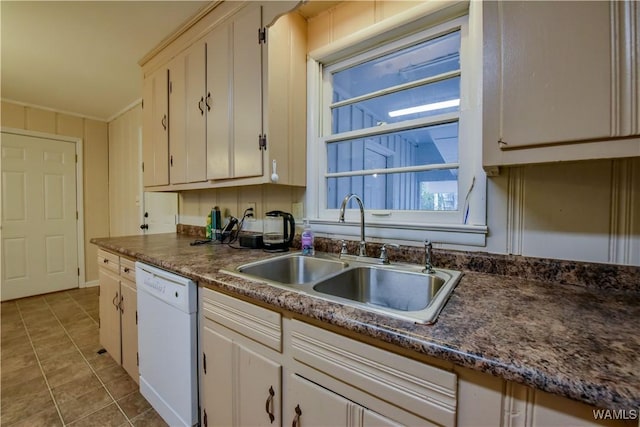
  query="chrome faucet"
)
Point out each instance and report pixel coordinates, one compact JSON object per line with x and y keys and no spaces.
{"x":428,"y":268}
{"x":362,"y":251}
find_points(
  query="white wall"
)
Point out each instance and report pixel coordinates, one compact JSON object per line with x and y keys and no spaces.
{"x":125,"y":175}
{"x":587,"y":211}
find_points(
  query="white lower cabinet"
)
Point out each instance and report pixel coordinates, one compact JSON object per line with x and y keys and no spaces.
{"x":118,"y":310}
{"x":241,"y":370}
{"x":262,"y":369}
{"x":317,"y":406}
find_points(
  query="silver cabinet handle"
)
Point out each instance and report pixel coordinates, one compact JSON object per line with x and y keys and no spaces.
{"x":114,"y":301}
{"x":208,"y":101}
{"x":269,"y":405}
{"x":120,"y":304}
{"x":164,"y":122}
{"x":296,"y":419}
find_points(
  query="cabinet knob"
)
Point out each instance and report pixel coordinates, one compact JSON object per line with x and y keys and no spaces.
{"x":144,"y":227}
{"x":126,"y":269}
{"x":269,"y":405}
{"x":106,"y":261}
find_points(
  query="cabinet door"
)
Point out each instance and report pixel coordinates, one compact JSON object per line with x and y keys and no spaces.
{"x":218,"y":81}
{"x":177,"y":122}
{"x":247,"y":93}
{"x":371,"y":419}
{"x":155,"y":151}
{"x":110,"y":313}
{"x":216,"y":378}
{"x":556,"y":71}
{"x":308,"y":404}
{"x":258,"y":389}
{"x":129,"y":320}
{"x":195,"y":112}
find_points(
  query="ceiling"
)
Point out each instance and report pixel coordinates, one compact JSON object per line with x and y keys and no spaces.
{"x":81,"y":57}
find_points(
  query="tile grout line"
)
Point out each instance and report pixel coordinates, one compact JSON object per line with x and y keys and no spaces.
{"x":89,"y":364}
{"x":33,"y":348}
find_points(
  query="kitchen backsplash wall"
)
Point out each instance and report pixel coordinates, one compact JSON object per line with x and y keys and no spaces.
{"x":194,"y":206}
{"x":94,"y":134}
{"x":584,"y":211}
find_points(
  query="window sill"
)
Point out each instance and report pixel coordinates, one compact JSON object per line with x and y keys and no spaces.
{"x":406,"y":233}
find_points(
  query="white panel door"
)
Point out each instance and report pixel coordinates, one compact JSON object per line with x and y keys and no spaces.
{"x":39,"y":234}
{"x":160,"y":212}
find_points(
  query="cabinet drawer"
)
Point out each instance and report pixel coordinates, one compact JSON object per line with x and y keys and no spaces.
{"x":257,"y":323}
{"x":109,"y":260}
{"x":128,"y":269}
{"x":419,"y":388}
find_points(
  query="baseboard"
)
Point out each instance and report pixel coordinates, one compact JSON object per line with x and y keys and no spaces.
{"x":89,"y":284}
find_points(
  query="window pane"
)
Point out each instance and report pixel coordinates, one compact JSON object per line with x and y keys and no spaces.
{"x":423,"y":146}
{"x":423,"y":191}
{"x":422,"y":101}
{"x":423,"y":60}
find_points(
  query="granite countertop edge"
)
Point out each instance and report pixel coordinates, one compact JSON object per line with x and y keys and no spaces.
{"x":555,"y":378}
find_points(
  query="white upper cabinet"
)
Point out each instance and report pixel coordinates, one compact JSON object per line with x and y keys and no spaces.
{"x":187,"y":149}
{"x":234,"y":94}
{"x":155,"y":123}
{"x":560,"y":81}
{"x":237,"y":98}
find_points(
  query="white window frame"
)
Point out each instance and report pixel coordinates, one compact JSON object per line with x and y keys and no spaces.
{"x":408,"y":227}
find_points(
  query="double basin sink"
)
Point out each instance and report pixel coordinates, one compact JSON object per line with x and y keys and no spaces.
{"x":398,"y":290}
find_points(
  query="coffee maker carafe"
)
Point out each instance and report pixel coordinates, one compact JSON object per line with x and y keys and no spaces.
{"x":278,"y":231}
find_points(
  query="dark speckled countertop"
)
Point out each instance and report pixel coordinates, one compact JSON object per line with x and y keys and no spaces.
{"x":582,"y":342}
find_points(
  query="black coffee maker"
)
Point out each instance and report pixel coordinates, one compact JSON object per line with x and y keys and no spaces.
{"x":278,"y":231}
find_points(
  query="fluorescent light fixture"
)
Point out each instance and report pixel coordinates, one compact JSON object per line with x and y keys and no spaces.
{"x":425,"y":107}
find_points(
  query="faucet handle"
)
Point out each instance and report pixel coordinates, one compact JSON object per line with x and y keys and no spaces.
{"x":384,"y":257}
{"x":343,"y":248}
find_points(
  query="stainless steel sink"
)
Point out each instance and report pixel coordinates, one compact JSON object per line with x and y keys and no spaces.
{"x":398,"y":290}
{"x":293,"y":269}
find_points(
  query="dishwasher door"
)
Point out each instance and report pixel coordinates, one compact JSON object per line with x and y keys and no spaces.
{"x":167,"y":344}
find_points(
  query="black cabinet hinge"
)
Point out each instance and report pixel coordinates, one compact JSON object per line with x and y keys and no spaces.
{"x":170,"y":87}
{"x":137,"y":359}
{"x":204,"y":362}
{"x":78,"y":267}
{"x":262,"y":35}
{"x":136,"y":317}
{"x":142,"y":166}
{"x":262,"y":142}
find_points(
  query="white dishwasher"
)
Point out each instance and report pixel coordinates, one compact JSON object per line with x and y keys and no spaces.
{"x":167,"y":343}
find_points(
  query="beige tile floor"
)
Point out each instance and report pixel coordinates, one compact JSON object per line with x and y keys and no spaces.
{"x":51,"y":372}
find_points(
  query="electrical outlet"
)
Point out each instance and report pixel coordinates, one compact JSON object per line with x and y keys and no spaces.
{"x":297,"y":211}
{"x":251,"y":205}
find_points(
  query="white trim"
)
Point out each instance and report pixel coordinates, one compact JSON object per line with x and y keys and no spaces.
{"x":125,"y":109}
{"x":53,"y":110}
{"x":444,"y":227}
{"x":79,"y":186}
{"x":408,"y":234}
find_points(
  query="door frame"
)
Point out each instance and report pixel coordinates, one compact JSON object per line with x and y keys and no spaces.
{"x":79,"y":189}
